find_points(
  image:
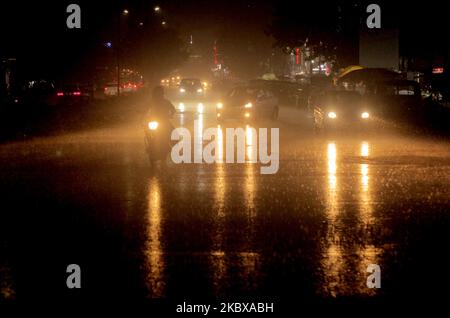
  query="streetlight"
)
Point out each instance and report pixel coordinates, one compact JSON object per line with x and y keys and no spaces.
{"x":157,"y":9}
{"x":125,"y":11}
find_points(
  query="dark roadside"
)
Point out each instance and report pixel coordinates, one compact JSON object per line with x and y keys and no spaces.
{"x":25,"y":121}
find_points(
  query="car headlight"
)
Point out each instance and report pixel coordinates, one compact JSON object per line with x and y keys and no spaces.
{"x":182,"y":90}
{"x":153,"y":125}
{"x":365,"y":115}
{"x":199,"y":90}
{"x":332,"y":115}
{"x":219,"y":105}
{"x":248,"y":105}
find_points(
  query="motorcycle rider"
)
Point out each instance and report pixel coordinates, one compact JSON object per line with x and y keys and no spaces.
{"x":160,"y":107}
{"x":162,"y":111}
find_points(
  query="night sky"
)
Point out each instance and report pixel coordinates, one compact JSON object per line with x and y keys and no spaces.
{"x":35,"y":31}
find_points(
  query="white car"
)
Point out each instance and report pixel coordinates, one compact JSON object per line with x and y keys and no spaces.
{"x":110,"y":89}
{"x":128,"y":88}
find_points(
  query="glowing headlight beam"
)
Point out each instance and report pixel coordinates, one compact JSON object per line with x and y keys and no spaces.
{"x":153,"y":125}
{"x":332,"y":115}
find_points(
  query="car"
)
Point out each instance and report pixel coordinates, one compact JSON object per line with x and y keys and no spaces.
{"x":191,"y":87}
{"x":399,"y":100}
{"x":338,"y":109}
{"x":171,"y":81}
{"x":248,"y":103}
{"x":287,"y":92}
{"x":73,"y":93}
{"x":38,"y":92}
{"x":110,"y":89}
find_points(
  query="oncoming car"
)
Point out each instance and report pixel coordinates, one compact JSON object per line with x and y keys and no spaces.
{"x":338,"y":109}
{"x":191,"y":87}
{"x":247,"y":103}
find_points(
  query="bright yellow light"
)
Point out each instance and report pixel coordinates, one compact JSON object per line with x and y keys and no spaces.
{"x":218,"y":114}
{"x":153,"y":247}
{"x":250,"y":136}
{"x":365,"y":149}
{"x":247,"y":115}
{"x":200,"y":108}
{"x":248,"y":105}
{"x":199,"y":90}
{"x":332,"y":154}
{"x":365,"y":176}
{"x":332,"y":115}
{"x":153,"y":125}
{"x":332,"y":158}
{"x":365,"y":115}
{"x":181,"y":107}
{"x":182,"y":90}
{"x":219,"y":143}
{"x":219,"y":105}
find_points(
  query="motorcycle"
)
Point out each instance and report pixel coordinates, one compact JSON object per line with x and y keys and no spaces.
{"x":157,"y":140}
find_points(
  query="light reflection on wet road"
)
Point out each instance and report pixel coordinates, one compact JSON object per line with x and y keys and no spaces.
{"x":335,"y":206}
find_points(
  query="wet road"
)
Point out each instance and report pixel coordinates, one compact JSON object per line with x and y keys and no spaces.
{"x":196,"y":231}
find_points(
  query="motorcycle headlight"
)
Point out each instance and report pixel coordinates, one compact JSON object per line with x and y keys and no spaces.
{"x":365,"y":115}
{"x":153,"y":125}
{"x":248,"y":105}
{"x":332,"y":115}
